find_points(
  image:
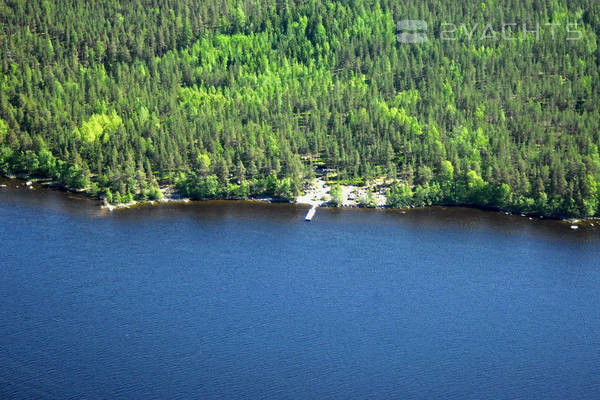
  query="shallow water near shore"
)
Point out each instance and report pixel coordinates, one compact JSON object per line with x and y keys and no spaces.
{"x":246,"y":300}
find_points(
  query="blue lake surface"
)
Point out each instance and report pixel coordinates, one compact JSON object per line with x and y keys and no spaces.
{"x":240,"y":300}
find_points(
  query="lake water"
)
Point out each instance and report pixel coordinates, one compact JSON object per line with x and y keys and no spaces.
{"x":241,"y":300}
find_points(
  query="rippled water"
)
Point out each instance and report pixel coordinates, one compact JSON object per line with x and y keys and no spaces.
{"x":241,"y":300}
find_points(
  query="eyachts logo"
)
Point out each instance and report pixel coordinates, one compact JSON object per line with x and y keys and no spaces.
{"x":412,"y":31}
{"x":415,"y":31}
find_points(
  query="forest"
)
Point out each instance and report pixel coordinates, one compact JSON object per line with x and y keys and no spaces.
{"x":242,"y":98}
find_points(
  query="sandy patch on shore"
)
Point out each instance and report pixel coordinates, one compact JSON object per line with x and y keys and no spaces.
{"x":319,"y":194}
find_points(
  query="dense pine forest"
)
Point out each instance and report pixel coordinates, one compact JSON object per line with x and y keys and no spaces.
{"x":238,"y":98}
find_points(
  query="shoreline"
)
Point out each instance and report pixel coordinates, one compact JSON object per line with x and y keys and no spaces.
{"x":172,"y":196}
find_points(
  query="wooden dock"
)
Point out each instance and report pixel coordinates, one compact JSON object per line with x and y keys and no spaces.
{"x":311,"y":213}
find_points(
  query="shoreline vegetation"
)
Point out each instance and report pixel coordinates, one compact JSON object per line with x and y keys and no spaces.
{"x":318,"y":193}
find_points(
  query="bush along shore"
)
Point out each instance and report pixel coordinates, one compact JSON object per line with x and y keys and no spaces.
{"x":383,"y":193}
{"x":320,"y":191}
